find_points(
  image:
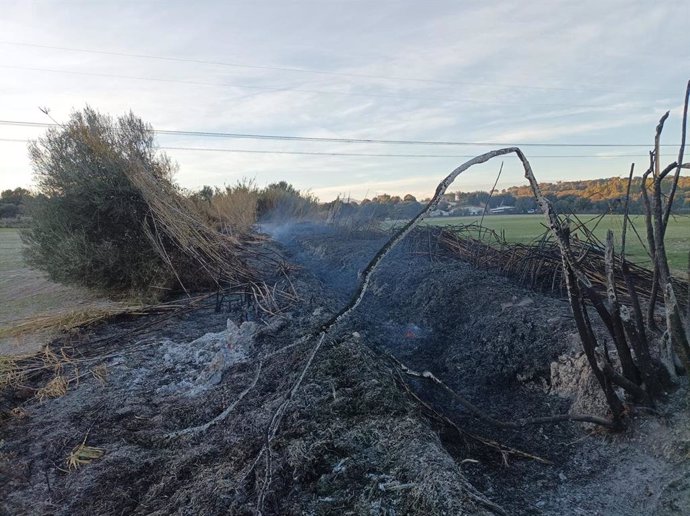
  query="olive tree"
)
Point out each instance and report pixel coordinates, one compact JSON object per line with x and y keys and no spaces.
{"x":89,"y":223}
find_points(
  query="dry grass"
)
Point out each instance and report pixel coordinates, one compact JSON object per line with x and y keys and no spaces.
{"x":10,"y":371}
{"x":82,"y":455}
{"x":16,"y":372}
{"x":232,"y":211}
{"x":100,"y":373}
{"x":235,"y":211}
{"x":67,"y":320}
{"x":55,"y":388}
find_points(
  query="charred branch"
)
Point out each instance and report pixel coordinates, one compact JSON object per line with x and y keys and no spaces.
{"x":483,"y":416}
{"x":630,"y":371}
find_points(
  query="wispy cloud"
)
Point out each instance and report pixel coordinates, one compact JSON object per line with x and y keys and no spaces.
{"x":500,"y":71}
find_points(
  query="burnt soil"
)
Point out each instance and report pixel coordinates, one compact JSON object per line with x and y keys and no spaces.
{"x":353,"y":440}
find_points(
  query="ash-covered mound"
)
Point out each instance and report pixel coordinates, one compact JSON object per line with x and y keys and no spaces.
{"x":515,"y":354}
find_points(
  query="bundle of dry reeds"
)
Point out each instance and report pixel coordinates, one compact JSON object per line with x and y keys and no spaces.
{"x":185,"y":241}
{"x":538,"y":265}
{"x":173,"y":221}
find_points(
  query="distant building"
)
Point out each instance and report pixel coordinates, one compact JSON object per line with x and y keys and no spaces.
{"x":472,"y":210}
{"x":502,"y":209}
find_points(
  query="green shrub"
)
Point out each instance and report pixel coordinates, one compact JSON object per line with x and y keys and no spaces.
{"x":89,"y":226}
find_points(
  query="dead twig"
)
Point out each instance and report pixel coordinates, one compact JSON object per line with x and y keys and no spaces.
{"x":481,"y":415}
{"x":501,"y":448}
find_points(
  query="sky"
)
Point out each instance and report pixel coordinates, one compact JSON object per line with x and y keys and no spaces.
{"x":522,"y":72}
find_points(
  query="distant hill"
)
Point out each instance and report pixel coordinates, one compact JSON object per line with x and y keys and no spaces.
{"x":585,"y":196}
{"x":595,"y":189}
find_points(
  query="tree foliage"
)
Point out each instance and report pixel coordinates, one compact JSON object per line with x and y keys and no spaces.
{"x":14,"y":203}
{"x":280,"y":201}
{"x":586,"y":196}
{"x":88,"y":224}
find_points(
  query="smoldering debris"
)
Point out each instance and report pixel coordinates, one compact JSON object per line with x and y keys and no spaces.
{"x":352,"y":440}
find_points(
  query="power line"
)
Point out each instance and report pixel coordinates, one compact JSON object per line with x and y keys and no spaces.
{"x":27,"y":124}
{"x":361,"y":154}
{"x":391,"y":142}
{"x":358,"y":154}
{"x":303,"y":70}
{"x":320,"y":139}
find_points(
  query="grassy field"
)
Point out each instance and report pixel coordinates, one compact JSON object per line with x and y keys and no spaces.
{"x":525,"y":228}
{"x":10,"y":245}
{"x":26,"y":294}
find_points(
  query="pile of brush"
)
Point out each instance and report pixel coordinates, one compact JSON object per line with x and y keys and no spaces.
{"x":110,"y":217}
{"x":194,"y":251}
{"x":537,"y":265}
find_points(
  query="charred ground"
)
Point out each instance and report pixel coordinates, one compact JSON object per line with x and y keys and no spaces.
{"x":353,"y":440}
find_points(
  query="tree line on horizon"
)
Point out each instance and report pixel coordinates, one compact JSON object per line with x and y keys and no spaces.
{"x":604,"y":195}
{"x":594,"y":196}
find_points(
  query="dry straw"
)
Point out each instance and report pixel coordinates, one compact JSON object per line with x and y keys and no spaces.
{"x":177,"y":229}
{"x":82,"y":455}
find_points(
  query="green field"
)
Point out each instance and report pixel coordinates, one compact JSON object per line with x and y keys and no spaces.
{"x":525,"y":228}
